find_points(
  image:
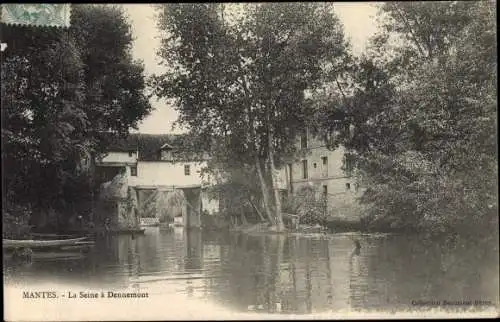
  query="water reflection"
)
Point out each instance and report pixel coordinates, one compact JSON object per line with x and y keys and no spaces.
{"x":281,"y":274}
{"x":193,"y":250}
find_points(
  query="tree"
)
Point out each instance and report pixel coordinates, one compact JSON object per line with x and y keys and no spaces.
{"x":60,"y":89}
{"x":114,"y":81}
{"x":239,"y":81}
{"x":421,"y":117}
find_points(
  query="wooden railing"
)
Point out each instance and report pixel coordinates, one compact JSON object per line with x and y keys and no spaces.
{"x":150,"y":221}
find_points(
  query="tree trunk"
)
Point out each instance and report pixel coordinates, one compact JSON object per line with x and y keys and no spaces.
{"x":244,"y":220}
{"x":263,"y":184}
{"x":265,"y":192}
{"x":257,"y":210}
{"x":278,"y":218}
{"x":274,"y":186}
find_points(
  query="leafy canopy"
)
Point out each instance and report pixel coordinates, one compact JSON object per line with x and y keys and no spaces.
{"x":60,"y":89}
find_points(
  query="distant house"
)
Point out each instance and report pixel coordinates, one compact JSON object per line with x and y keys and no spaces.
{"x":323,"y":171}
{"x":152,"y":162}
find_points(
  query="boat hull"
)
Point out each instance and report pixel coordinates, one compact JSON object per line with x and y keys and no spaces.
{"x":11,"y":244}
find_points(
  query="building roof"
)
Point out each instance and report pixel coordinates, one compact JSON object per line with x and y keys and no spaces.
{"x":150,"y":145}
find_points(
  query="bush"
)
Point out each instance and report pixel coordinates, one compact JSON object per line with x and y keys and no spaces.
{"x":306,"y":204}
{"x":16,"y":222}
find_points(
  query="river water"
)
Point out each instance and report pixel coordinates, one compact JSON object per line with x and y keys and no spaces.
{"x":272,"y":274}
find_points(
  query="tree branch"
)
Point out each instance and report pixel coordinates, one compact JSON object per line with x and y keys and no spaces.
{"x":410,"y":29}
{"x":340,"y":89}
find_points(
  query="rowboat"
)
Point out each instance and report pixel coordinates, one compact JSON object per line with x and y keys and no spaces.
{"x":57,"y":256}
{"x":45,"y":236}
{"x":112,"y":231}
{"x":10,"y":243}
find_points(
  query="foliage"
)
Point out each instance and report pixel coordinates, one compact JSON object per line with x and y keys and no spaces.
{"x":239,"y":82}
{"x":169,"y":205}
{"x":420,"y":117}
{"x":308,"y":205}
{"x":16,"y":221}
{"x":61,"y":88}
{"x":115,"y":83}
{"x":238,"y":192}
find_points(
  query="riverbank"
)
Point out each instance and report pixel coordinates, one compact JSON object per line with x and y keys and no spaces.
{"x":265,"y":228}
{"x":334,"y":226}
{"x":261,"y":228}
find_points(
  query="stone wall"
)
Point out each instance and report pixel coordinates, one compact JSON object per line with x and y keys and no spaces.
{"x":128,"y":216}
{"x":118,"y":204}
{"x":341,"y":203}
{"x":344,"y":207}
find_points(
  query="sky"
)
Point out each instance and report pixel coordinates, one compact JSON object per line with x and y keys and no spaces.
{"x":358,"y":19}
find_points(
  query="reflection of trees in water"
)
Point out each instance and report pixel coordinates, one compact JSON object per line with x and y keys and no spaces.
{"x":65,"y":269}
{"x":283,"y":274}
{"x":247,"y":256}
{"x":106,"y":263}
{"x":129,"y":256}
{"x":312,"y":275}
{"x":329,"y":274}
{"x":245,"y":270}
{"x":358,"y":273}
{"x":318,"y":275}
{"x":308,"y":285}
{"x":275,"y":246}
{"x":292,"y":244}
{"x":193,"y":250}
{"x":392,"y":271}
{"x":150,"y":247}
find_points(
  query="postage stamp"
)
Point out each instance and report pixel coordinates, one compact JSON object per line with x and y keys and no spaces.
{"x":37,"y":14}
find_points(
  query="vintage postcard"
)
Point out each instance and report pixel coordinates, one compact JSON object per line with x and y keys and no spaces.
{"x":324,"y":160}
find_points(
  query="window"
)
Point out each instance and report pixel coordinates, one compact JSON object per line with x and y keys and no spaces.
{"x":303,"y":140}
{"x":348,"y":186}
{"x":314,"y":165}
{"x":304,"y":169}
{"x":133,"y":171}
{"x":187,"y":170}
{"x":130,"y":154}
{"x":348,"y":164}
{"x":324,"y":169}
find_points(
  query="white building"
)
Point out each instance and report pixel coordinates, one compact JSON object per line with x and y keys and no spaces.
{"x":155,"y":162}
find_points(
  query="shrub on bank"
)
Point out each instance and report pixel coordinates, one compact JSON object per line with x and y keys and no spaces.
{"x":307,"y":206}
{"x":15,"y":222}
